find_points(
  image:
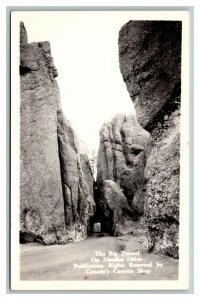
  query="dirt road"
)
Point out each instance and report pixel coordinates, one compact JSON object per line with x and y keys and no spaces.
{"x":65,"y":262}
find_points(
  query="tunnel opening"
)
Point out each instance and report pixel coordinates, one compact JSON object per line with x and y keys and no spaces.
{"x":99,"y":217}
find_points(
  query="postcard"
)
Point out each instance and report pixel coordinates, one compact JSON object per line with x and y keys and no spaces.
{"x":100,"y":150}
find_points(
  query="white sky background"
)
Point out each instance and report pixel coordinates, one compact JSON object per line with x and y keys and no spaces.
{"x":84,"y":46}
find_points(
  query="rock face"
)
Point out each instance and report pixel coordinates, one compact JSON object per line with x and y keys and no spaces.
{"x":124,"y":145}
{"x":121,"y":141}
{"x":78,"y":197}
{"x":150,"y":63}
{"x":162,"y":203}
{"x":55,"y":196}
{"x":114,"y":210}
{"x":23,"y":34}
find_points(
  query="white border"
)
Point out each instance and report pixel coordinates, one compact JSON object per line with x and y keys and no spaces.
{"x":183,"y":282}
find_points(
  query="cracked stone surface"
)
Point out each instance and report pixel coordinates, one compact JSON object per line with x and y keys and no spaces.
{"x":55,"y":194}
{"x":150,"y":63}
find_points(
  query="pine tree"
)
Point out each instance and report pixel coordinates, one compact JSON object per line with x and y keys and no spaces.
{"x":93,"y":162}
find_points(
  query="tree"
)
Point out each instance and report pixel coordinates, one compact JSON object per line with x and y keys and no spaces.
{"x":93,"y":162}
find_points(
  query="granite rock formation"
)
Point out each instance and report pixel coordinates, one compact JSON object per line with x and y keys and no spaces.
{"x":113,"y":209}
{"x":77,"y":185}
{"x":162,"y":203}
{"x":56,"y":199}
{"x":124,"y":146}
{"x":150,"y":63}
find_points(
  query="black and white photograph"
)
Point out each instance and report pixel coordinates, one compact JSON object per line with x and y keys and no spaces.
{"x":100,"y":137}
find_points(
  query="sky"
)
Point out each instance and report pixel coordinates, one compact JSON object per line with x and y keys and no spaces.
{"x":84,"y":46}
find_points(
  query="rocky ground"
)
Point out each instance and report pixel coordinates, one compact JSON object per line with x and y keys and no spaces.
{"x":56,"y":262}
